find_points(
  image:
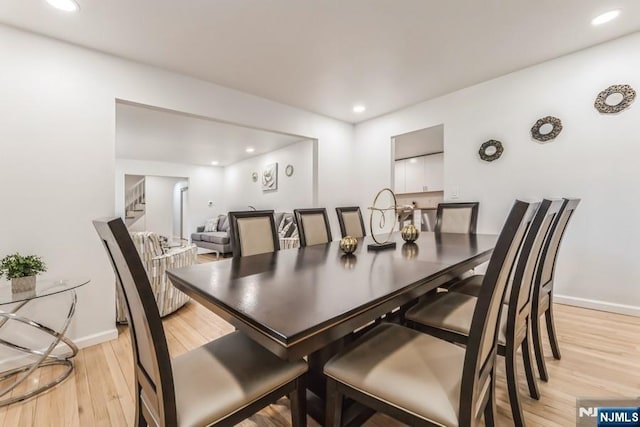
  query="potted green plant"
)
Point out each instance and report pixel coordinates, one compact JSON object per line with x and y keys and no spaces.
{"x":22,"y":271}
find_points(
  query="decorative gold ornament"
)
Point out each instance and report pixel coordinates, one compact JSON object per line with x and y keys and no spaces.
{"x":348,"y":261}
{"x":410,"y":250}
{"x":348,"y":244}
{"x":491,"y":150}
{"x":556,"y":128}
{"x":410,"y":233}
{"x":383,"y":220}
{"x":626,"y":95}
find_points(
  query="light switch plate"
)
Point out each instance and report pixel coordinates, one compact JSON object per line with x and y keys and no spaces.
{"x":455,"y":192}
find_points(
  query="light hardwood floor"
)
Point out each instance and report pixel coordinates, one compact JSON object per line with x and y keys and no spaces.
{"x":601,"y":357}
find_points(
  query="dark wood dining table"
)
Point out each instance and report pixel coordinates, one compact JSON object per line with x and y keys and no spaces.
{"x":309,"y":301}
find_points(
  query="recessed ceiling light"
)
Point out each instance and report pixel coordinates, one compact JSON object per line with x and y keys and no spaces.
{"x":64,"y":5}
{"x":214,"y":163}
{"x":605,"y":17}
{"x":359,"y":109}
{"x":250,"y":150}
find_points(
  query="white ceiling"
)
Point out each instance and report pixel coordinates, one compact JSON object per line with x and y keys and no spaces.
{"x":417,"y":143}
{"x":325,"y":56}
{"x":144,"y":133}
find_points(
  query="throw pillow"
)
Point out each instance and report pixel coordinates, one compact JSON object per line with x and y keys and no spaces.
{"x":284,"y":227}
{"x":223,"y":223}
{"x":211,"y":225}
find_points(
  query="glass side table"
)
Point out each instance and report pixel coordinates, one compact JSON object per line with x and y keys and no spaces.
{"x":44,"y":357}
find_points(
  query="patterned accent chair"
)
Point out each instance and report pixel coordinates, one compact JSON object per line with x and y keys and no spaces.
{"x":156,"y":262}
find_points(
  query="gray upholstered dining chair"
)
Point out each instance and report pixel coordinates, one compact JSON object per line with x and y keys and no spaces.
{"x":449,"y":315}
{"x":253,"y":232}
{"x":422,"y":380}
{"x":350,"y":220}
{"x":313,"y":226}
{"x":220,"y":383}
{"x":457,"y":218}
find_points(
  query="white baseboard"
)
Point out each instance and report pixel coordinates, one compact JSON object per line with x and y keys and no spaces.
{"x":98,"y":338}
{"x":611,"y":307}
{"x":83,"y":342}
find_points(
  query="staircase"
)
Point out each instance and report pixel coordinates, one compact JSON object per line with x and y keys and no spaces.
{"x":134,"y":203}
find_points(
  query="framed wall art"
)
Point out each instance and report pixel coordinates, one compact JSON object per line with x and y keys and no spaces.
{"x":270,"y":177}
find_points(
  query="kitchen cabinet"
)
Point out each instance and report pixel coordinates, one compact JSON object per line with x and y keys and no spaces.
{"x":434,"y":172}
{"x":399,"y":175}
{"x":419,"y":174}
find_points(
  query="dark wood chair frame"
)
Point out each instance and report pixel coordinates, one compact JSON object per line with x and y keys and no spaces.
{"x":518,"y":314}
{"x":299,"y":213}
{"x":466,"y":205}
{"x":234,"y":231}
{"x":155,"y":393}
{"x":542,"y":300}
{"x":343,"y":228}
{"x":477,"y":397}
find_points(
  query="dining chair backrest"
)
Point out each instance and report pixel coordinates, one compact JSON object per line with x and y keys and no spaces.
{"x":351,"y":223}
{"x":532,"y":246}
{"x":547,"y":265}
{"x":152,"y":364}
{"x":313,"y":226}
{"x":253,"y":232}
{"x":478,"y":371}
{"x":457,"y":218}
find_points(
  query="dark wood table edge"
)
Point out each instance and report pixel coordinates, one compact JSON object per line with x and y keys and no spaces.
{"x":326,"y":333}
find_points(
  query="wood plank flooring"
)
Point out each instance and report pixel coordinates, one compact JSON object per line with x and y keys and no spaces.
{"x":600,"y":358}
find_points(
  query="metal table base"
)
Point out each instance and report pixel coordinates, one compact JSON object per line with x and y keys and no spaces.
{"x":45,"y":358}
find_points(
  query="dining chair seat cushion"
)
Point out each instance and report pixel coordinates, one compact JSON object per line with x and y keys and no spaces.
{"x":472,"y":284}
{"x":450,"y":311}
{"x":225,"y":375}
{"x":404,"y":368}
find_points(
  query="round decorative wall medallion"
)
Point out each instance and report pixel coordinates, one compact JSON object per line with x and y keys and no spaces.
{"x":491,"y":150}
{"x":546,"y":129}
{"x":254,"y":177}
{"x":288,"y":170}
{"x":614,"y":99}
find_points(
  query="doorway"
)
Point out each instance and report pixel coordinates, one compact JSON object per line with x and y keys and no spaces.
{"x":418,"y":175}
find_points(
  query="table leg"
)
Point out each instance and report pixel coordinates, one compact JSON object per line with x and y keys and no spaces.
{"x":45,"y":358}
{"x":354,"y":414}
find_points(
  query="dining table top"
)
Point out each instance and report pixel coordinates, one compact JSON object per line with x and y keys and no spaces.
{"x":294,"y":301}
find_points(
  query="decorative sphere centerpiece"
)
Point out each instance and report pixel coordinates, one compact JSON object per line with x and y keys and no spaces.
{"x":348,"y":244}
{"x":410,"y":233}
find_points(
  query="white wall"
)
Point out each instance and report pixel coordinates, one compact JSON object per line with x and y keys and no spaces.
{"x":58,"y":163}
{"x":159,"y":209}
{"x":594,"y":158}
{"x":293,"y":192}
{"x":177,"y":202}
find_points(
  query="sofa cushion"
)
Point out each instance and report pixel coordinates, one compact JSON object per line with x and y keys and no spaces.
{"x":221,"y":237}
{"x":211,"y":225}
{"x":196,"y":237}
{"x":223,"y":223}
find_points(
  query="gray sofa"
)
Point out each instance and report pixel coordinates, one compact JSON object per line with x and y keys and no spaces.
{"x":221,"y":241}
